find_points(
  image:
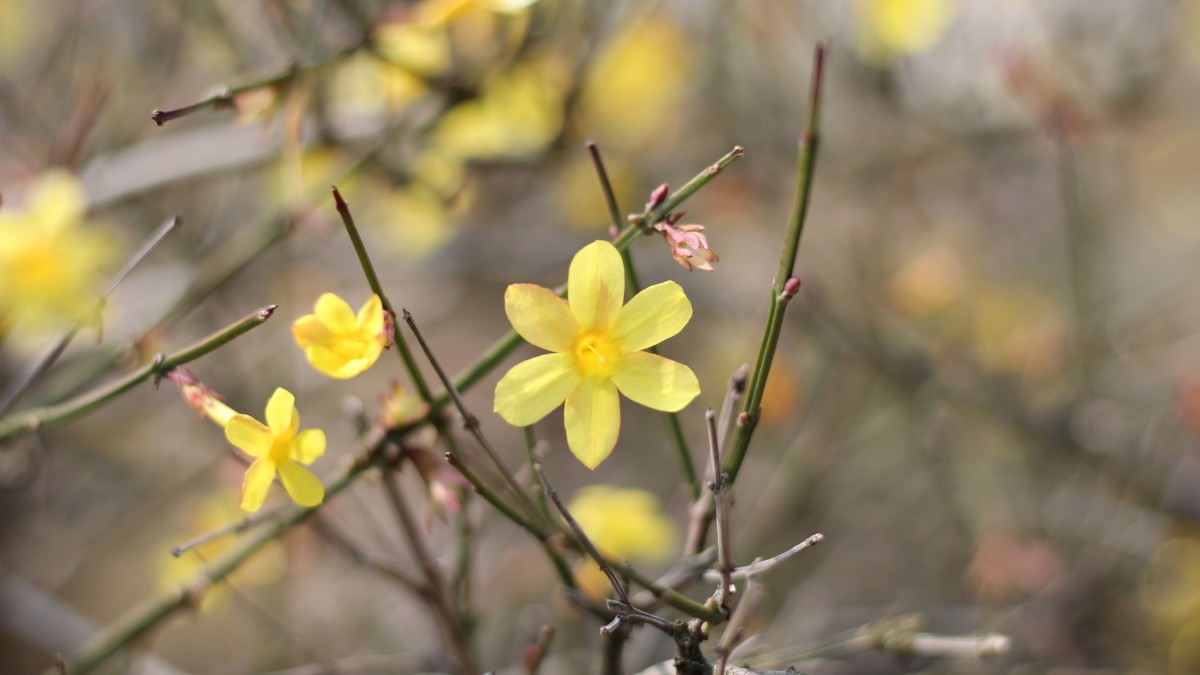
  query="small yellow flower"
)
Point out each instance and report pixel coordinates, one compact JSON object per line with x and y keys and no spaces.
{"x":278,"y":447}
{"x":338,"y":343}
{"x":597,"y":347}
{"x":49,"y":265}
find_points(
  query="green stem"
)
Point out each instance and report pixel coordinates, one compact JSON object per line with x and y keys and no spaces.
{"x":805,"y":164}
{"x":39,"y":418}
{"x":364,"y":260}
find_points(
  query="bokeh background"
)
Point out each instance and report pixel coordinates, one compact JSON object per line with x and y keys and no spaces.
{"x":987,"y":394}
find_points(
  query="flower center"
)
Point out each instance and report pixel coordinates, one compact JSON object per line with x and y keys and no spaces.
{"x":595,"y":355}
{"x":281,"y":448}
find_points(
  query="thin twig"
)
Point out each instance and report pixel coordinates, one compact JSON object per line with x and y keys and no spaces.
{"x":581,"y":536}
{"x":236,"y":527}
{"x":761,"y":566}
{"x":360,"y":249}
{"x":471,"y":422}
{"x":27,"y":421}
{"x":439,"y":595}
{"x":699,"y":519}
{"x":51,"y":356}
{"x":717,"y":485}
{"x":225,"y":97}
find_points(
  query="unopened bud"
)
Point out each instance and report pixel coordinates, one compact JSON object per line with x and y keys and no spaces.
{"x":790,"y":288}
{"x":658,"y":196}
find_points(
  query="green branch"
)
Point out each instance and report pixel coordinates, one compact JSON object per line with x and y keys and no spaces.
{"x":28,"y":421}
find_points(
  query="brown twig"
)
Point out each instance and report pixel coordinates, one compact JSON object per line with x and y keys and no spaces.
{"x":439,"y":594}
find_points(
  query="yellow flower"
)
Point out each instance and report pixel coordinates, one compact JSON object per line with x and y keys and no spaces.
{"x":624,"y":524}
{"x":597,"y":347}
{"x":49,"y":265}
{"x":887,"y":29}
{"x":338,"y":343}
{"x":278,"y":447}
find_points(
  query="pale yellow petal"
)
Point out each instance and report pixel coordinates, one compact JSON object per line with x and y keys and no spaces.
{"x":656,"y":382}
{"x":531,"y":389}
{"x":652,"y":316}
{"x":370,"y":317}
{"x":596,"y":286}
{"x":249,"y":435}
{"x":593,"y":420}
{"x":336,"y":314}
{"x":256,"y":483}
{"x":541,"y":317}
{"x":303,"y":487}
{"x":308,"y":446}
{"x":282,"y":416}
{"x":57,"y":202}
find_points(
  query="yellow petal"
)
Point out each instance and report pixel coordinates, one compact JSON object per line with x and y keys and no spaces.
{"x":58,"y":202}
{"x":593,"y":420}
{"x":596,"y":286}
{"x":652,"y":316}
{"x":304,"y":488}
{"x":308,"y":446}
{"x":656,"y":382}
{"x":541,"y":317}
{"x":334,"y":364}
{"x":336,"y":314}
{"x":249,"y":435}
{"x":370,"y":317}
{"x":533,"y":388}
{"x":309,"y":330}
{"x":281,"y":412}
{"x":257,"y":482}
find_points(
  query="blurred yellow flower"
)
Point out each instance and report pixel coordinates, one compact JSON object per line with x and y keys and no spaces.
{"x":49,"y":264}
{"x":415,"y":219}
{"x":597,"y":345}
{"x":518,"y":113}
{"x":624,"y":524}
{"x":645,"y":66}
{"x":886,"y":29}
{"x":339,"y":343}
{"x":263,"y":568}
{"x":400,"y":406}
{"x":368,"y":85}
{"x":278,"y":447}
{"x":928,"y":283}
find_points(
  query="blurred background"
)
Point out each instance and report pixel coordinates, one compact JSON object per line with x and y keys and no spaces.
{"x":987,"y":393}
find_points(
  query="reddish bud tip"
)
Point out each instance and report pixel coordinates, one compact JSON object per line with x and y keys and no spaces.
{"x":790,"y":288}
{"x":658,"y":196}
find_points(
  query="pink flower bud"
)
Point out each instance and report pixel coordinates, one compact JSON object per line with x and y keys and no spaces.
{"x":790,"y":288}
{"x":658,"y":196}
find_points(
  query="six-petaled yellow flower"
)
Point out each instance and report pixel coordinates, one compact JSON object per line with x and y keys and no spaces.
{"x":49,"y":264}
{"x":278,"y":446}
{"x":339,"y":343}
{"x":597,"y":345}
